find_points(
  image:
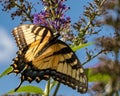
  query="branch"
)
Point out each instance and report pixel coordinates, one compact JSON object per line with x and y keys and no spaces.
{"x":25,"y":12}
{"x":92,"y":57}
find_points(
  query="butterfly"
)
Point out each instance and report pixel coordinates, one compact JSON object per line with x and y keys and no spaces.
{"x":42,"y":56}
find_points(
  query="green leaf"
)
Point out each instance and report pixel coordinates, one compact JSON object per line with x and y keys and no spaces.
{"x":96,"y":77}
{"x":8,"y":70}
{"x":75,"y":48}
{"x":28,"y":89}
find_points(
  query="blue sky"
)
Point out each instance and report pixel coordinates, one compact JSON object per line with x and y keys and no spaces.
{"x":8,"y":48}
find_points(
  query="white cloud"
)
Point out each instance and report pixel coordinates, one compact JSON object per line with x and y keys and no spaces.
{"x":7,"y":45}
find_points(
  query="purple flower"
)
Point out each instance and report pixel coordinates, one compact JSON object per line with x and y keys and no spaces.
{"x":40,"y":18}
{"x":53,"y":16}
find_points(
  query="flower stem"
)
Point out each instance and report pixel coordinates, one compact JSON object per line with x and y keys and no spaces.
{"x":56,"y":89}
{"x":47,"y":89}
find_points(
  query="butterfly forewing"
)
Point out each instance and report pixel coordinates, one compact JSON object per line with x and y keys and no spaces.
{"x":26,"y":34}
{"x":45,"y":57}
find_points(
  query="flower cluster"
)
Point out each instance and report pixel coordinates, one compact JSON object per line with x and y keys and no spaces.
{"x":22,"y":8}
{"x":108,"y":43}
{"x":53,"y":16}
{"x":110,"y":68}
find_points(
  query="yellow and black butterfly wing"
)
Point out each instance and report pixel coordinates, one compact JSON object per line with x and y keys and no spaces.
{"x":62,"y":64}
{"x":29,"y":39}
{"x":26,"y":34}
{"x":42,"y":56}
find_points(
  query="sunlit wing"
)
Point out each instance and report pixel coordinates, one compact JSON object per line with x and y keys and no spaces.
{"x":62,"y":64}
{"x":28,"y":33}
{"x":44,"y":56}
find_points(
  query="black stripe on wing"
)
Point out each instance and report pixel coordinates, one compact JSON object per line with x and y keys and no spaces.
{"x":28,"y":33}
{"x":19,"y":37}
{"x":73,"y":60}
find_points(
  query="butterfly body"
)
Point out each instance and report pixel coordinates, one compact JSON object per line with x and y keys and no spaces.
{"x":42,"y":55}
